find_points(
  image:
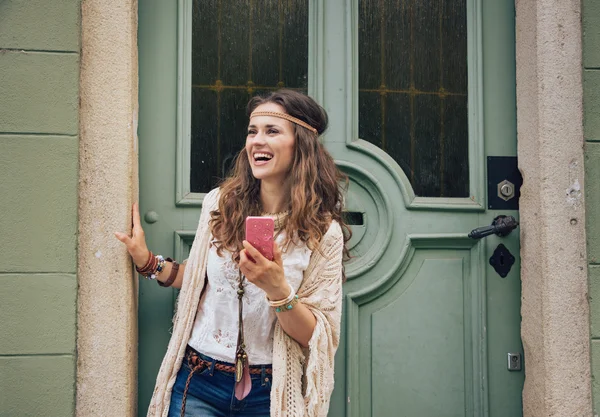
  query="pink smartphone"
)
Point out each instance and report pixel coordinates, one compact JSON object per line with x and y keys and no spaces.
{"x":259,"y":232}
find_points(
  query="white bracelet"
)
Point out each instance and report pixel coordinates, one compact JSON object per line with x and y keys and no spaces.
{"x":285,"y":301}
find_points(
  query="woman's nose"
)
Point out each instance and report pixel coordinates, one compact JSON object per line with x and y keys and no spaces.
{"x":258,"y":138}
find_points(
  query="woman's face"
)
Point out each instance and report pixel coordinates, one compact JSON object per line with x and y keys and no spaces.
{"x":270,"y":145}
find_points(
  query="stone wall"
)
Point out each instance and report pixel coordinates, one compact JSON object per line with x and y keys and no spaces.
{"x":107,"y":298}
{"x":555,"y":308}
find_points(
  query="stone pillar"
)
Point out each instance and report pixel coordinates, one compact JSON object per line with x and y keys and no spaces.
{"x":107,"y":298}
{"x":555,"y":307}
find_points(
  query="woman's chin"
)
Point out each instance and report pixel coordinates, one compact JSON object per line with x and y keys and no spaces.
{"x":261,"y":174}
{"x":258,"y":174}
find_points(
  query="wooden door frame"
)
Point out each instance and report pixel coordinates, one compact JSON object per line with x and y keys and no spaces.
{"x":549,"y":127}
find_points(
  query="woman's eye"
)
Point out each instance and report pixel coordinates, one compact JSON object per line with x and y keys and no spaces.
{"x":252,"y":132}
{"x":273,"y":132}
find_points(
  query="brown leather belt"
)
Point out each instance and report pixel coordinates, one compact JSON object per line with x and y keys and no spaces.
{"x":196,"y":361}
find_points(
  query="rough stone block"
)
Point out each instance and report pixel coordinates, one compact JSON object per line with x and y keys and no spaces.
{"x":38,"y":203}
{"x":40,"y":24}
{"x":592,"y":201}
{"x":46,"y":308}
{"x":37,"y":386}
{"x":40,"y":92}
{"x":591,"y":33}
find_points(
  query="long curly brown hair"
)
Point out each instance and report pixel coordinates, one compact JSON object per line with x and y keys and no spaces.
{"x":317,"y":185}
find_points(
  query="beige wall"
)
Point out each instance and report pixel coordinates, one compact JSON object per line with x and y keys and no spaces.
{"x":107,"y":316}
{"x":555,"y":311}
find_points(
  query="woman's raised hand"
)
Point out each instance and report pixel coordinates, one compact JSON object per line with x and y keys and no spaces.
{"x":267,"y":275}
{"x":136,"y":244}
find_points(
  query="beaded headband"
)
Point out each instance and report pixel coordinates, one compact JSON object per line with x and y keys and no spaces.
{"x":286,"y":117}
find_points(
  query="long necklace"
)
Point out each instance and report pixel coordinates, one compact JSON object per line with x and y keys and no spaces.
{"x":243,"y":383}
{"x":279,"y":218}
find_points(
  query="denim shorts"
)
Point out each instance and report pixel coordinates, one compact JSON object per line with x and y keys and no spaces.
{"x":211,"y":393}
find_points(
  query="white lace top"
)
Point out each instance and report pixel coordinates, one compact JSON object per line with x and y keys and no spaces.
{"x":216,"y":325}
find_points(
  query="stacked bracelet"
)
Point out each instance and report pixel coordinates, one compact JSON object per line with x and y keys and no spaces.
{"x":150,"y":267}
{"x":155,"y":265}
{"x":286,"y":304}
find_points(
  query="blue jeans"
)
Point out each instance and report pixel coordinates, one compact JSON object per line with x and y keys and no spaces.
{"x":211,"y":393}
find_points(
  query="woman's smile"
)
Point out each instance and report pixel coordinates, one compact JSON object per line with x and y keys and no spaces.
{"x":262,"y":158}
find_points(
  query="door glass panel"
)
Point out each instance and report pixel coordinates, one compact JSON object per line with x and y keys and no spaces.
{"x":413,"y":90}
{"x":239,"y":48}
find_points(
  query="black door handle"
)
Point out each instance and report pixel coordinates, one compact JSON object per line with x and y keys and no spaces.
{"x":501,"y":226}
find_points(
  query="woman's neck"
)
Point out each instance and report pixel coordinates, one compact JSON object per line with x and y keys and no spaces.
{"x":274,"y":198}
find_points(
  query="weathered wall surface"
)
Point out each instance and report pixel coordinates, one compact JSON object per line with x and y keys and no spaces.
{"x":107,"y":298}
{"x":39,"y":123}
{"x":591,"y":109}
{"x":555,"y":308}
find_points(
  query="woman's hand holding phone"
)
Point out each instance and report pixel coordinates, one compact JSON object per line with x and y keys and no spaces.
{"x":266,"y":272}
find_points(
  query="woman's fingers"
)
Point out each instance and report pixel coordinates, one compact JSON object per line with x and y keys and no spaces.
{"x":136,"y":243}
{"x":137,"y":224}
{"x":277,"y":255}
{"x":123,"y":238}
{"x":246,"y":265}
{"x":253,"y":252}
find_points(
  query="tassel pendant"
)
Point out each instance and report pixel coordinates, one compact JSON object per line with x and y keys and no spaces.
{"x":239,"y":369}
{"x":243,"y":387}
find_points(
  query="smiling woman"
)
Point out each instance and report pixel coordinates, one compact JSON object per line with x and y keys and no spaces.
{"x":270,"y":145}
{"x":286,"y":304}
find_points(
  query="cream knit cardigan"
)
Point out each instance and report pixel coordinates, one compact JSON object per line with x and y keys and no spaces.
{"x":302,"y":378}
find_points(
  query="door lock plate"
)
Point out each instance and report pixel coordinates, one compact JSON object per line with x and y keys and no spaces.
{"x":504,"y":183}
{"x":502,"y":260}
{"x":514,"y":362}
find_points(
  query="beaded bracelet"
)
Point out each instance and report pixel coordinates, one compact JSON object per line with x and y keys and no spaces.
{"x":154,"y":266}
{"x":283,"y":302}
{"x":287,"y":306}
{"x":159,"y":267}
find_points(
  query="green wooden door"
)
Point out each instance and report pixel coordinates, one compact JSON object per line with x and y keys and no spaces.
{"x":418,"y":94}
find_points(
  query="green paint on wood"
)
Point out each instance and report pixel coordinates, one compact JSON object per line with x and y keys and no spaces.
{"x":37,"y":386}
{"x":40,"y":24}
{"x":592,"y":201}
{"x":50,"y":327}
{"x":595,"y":353}
{"x":591,"y":33}
{"x":39,"y":203}
{"x":438,"y":294}
{"x":594,"y":294}
{"x":591,"y":104}
{"x":419,"y":337}
{"x":39,"y":92}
